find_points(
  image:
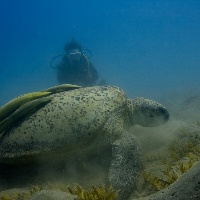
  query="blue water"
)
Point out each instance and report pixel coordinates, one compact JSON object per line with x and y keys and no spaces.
{"x":146,"y":47}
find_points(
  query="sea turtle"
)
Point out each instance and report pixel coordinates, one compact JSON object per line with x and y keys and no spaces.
{"x":82,"y":120}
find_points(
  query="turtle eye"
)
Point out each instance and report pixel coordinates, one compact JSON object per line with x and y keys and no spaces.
{"x":162,"y":111}
{"x":151,"y":115}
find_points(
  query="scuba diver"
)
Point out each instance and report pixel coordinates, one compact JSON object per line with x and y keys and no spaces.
{"x":75,"y":68}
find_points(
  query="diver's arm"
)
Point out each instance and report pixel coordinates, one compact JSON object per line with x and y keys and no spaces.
{"x":93,"y":72}
{"x":61,"y":78}
{"x":62,"y":71}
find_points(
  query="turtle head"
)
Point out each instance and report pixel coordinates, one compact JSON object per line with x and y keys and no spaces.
{"x":147,"y":113}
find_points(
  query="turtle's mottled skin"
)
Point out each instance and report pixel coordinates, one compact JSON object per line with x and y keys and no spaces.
{"x":87,"y":120}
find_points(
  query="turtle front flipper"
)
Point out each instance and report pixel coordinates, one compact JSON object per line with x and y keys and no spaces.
{"x":22,"y":113}
{"x":126,"y":165}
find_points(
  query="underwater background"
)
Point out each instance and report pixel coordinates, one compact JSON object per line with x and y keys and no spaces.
{"x":149,"y":48}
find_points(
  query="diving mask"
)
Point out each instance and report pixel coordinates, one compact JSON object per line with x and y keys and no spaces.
{"x":74,"y":54}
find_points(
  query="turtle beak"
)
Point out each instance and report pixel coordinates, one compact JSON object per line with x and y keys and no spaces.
{"x":165,"y":114}
{"x":154,"y":117}
{"x":161,"y":116}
